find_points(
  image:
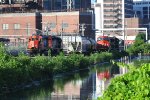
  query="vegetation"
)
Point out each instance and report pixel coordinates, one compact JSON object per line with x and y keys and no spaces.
{"x":139,"y":46}
{"x":17,"y":71}
{"x":132,"y":86}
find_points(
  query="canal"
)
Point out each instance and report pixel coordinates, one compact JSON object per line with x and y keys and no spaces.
{"x":85,"y":84}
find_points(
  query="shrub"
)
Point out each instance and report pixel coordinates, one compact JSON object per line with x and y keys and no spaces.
{"x":131,"y":86}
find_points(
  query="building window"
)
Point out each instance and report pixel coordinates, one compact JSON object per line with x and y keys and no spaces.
{"x":64,"y":25}
{"x":16,"y":26}
{"x":52,"y":25}
{"x":5,"y":26}
{"x":145,"y":8}
{"x":146,"y":16}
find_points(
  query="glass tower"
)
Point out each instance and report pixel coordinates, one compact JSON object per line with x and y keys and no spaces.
{"x":66,"y":4}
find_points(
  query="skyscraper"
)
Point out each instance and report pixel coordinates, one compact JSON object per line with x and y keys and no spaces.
{"x":112,"y":14}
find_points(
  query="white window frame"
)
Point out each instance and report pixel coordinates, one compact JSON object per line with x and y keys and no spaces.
{"x":16,"y":26}
{"x":5,"y":26}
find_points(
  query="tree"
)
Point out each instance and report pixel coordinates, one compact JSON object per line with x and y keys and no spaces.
{"x":140,"y":37}
{"x":138,"y":44}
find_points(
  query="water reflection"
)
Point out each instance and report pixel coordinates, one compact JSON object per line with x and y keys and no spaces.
{"x":103,"y":77}
{"x":82,"y":85}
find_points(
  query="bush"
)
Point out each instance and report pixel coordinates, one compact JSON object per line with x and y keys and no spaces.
{"x":131,"y":86}
{"x":24,"y":69}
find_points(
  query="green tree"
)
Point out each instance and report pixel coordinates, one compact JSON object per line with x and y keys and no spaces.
{"x":138,"y":45}
{"x":140,"y":36}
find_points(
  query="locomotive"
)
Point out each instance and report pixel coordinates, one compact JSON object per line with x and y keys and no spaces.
{"x":4,"y":41}
{"x":105,"y":43}
{"x":43,"y":43}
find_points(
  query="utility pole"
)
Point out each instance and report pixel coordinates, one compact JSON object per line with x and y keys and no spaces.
{"x":48,"y":29}
{"x":28,"y":31}
{"x":62,"y":29}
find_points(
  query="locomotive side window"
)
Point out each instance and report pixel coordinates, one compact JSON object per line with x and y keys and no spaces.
{"x":33,"y":39}
{"x":98,"y":39}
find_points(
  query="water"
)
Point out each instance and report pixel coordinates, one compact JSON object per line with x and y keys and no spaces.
{"x":86,"y":84}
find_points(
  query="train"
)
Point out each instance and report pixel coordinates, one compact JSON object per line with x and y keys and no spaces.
{"x":106,"y":43}
{"x":5,"y":41}
{"x":70,"y":44}
{"x":78,"y":44}
{"x":41,"y":44}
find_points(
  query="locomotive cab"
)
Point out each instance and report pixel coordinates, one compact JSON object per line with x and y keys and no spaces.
{"x":33,"y":42}
{"x":39,"y":44}
{"x":103,"y":43}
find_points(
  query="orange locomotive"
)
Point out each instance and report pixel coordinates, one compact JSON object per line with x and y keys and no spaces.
{"x":105,"y":43}
{"x":43,"y":43}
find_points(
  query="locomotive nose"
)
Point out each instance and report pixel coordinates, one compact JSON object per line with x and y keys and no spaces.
{"x":105,"y":43}
{"x":31,"y":44}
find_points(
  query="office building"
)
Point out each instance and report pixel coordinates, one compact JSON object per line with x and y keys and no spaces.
{"x":112,"y":16}
{"x":66,"y":4}
{"x":142,"y":10}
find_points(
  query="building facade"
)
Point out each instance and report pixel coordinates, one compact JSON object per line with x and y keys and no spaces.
{"x":66,"y":4}
{"x":142,"y":11}
{"x":48,"y":5}
{"x":22,"y":25}
{"x":110,"y":16}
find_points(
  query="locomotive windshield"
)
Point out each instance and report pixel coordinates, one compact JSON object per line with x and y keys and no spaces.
{"x":100,"y":38}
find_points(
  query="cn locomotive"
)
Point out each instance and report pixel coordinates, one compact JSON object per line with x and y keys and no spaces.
{"x":41,"y":44}
{"x":105,"y":43}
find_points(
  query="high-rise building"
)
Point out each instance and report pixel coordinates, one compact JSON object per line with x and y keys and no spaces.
{"x":51,"y":5}
{"x":142,"y":10}
{"x":111,"y":14}
{"x":66,"y":4}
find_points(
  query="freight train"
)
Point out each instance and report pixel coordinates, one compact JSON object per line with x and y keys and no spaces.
{"x":69,"y":44}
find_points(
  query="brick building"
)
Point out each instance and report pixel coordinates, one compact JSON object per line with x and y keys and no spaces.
{"x":24,"y":24}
